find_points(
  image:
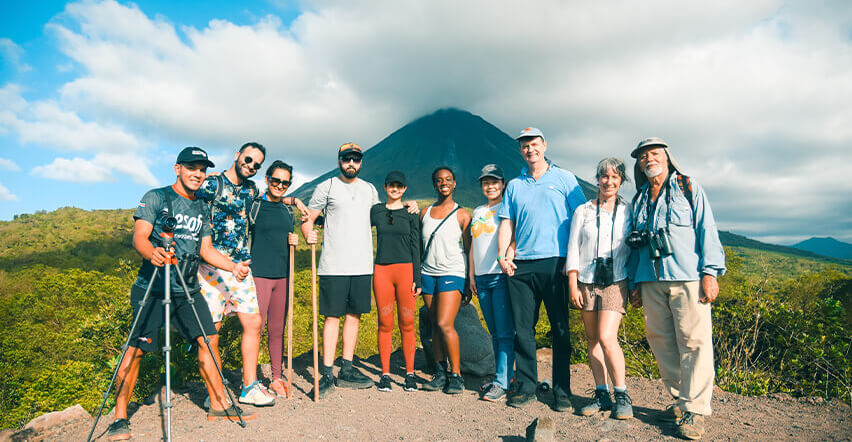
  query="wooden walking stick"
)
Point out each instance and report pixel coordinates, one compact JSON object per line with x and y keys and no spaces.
{"x":314,"y":306}
{"x":290,"y":323}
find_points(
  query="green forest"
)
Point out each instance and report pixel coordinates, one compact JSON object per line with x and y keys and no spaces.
{"x":783,"y":323}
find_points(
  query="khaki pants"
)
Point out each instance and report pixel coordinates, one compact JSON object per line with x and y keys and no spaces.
{"x":681,"y":336}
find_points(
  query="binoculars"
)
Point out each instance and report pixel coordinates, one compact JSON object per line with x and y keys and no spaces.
{"x":658,"y":242}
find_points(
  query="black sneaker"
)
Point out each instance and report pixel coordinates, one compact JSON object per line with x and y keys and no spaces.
{"x":326,"y":386}
{"x":562,"y":403}
{"x":119,"y":430}
{"x":455,"y":384}
{"x":518,"y":399}
{"x":601,"y":402}
{"x":410,"y":383}
{"x":438,"y":382}
{"x":623,"y":406}
{"x":385,"y":383}
{"x":351,"y":377}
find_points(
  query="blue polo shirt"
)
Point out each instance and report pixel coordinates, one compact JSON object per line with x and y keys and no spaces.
{"x":541,"y":211}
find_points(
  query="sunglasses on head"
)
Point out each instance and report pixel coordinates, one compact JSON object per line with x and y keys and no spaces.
{"x":248,"y":162}
{"x":278,"y":183}
{"x":348,"y":158}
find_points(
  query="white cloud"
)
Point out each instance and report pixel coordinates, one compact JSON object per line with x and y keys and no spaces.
{"x":11,"y":54}
{"x":5,"y":195}
{"x":8,"y":164}
{"x":100,"y":168}
{"x":753,"y":97}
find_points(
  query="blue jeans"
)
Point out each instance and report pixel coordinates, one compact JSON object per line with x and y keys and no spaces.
{"x":494,"y":301}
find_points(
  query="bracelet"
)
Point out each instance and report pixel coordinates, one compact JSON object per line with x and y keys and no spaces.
{"x":500,"y":258}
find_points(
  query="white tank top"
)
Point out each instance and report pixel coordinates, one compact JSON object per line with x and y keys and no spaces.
{"x":446,"y":254}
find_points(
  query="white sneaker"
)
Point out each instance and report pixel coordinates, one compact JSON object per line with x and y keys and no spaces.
{"x":254,"y":395}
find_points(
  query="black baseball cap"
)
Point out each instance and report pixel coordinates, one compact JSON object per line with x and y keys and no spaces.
{"x":395,"y":176}
{"x":492,"y":170}
{"x":193,"y":154}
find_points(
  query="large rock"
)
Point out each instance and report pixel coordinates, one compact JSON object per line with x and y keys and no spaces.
{"x":48,"y":424}
{"x":476,"y":351}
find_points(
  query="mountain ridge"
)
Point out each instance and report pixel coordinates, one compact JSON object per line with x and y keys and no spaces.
{"x":826,"y":246}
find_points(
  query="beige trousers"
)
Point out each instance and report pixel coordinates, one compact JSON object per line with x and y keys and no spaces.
{"x":681,"y":336}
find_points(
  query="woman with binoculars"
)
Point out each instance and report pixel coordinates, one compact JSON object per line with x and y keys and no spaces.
{"x":596,"y":267}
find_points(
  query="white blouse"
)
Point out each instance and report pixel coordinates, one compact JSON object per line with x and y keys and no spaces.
{"x":581,"y":241}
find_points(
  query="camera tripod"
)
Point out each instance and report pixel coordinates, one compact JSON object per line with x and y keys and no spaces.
{"x":171,"y":261}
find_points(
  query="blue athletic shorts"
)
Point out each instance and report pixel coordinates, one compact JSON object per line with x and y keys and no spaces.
{"x":446,"y":283}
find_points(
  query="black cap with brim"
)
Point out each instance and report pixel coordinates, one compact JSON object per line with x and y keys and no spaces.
{"x":493,"y":171}
{"x":395,"y":176}
{"x":193,"y":154}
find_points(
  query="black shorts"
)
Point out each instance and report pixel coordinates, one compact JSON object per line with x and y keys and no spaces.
{"x":341,"y":295}
{"x":147,"y":333}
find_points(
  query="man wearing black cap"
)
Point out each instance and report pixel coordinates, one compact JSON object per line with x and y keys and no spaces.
{"x":191,"y":237}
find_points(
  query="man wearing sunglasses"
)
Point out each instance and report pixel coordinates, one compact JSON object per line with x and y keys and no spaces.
{"x":229,"y":195}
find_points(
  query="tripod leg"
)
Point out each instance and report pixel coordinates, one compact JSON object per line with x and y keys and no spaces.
{"x":314,"y":308}
{"x":207,"y":343}
{"x":167,"y":350}
{"x":123,"y":353}
{"x":290,"y":323}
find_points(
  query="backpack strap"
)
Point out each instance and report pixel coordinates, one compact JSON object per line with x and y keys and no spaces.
{"x":686,"y":187}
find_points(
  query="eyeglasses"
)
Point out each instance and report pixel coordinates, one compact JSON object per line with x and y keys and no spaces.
{"x":348,"y":158}
{"x":278,"y":183}
{"x":248,"y":160}
{"x":390,"y":217}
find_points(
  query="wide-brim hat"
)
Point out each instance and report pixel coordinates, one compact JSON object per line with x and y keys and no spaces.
{"x":650,"y":143}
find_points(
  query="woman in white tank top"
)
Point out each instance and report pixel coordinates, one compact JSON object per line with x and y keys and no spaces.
{"x":446,"y":236}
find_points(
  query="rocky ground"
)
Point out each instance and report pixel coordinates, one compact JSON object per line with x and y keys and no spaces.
{"x":399,"y":415}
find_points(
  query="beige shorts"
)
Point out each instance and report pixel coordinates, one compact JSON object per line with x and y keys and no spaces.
{"x":612,"y":297}
{"x":225,"y":295}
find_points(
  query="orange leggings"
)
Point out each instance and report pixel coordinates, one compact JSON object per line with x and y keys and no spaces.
{"x":394,"y":281}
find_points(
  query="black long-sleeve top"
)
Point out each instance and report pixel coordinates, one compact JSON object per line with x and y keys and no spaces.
{"x":397,"y":237}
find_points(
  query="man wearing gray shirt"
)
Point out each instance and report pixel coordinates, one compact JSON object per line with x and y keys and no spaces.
{"x":346,"y":263}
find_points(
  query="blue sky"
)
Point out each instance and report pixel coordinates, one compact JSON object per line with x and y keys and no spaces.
{"x":97,"y":97}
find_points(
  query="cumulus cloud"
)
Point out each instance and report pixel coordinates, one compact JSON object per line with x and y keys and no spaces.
{"x":8,"y":164}
{"x":100,"y":168}
{"x":753,"y":97}
{"x":5,"y":195}
{"x":11,"y":55}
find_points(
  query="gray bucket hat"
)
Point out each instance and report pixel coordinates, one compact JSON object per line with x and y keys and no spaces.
{"x":650,"y":143}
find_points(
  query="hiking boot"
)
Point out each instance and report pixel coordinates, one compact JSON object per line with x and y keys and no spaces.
{"x":438,"y":382}
{"x":410,"y":383}
{"x":385,"y":383}
{"x":672,"y":413}
{"x":601,"y":402}
{"x":690,"y":426}
{"x":231,"y":413}
{"x":455,"y":384}
{"x":494,"y":393}
{"x":119,"y":430}
{"x":518,"y":399}
{"x":623,"y":405}
{"x":562,"y":403}
{"x":351,"y":377}
{"x":254,"y":395}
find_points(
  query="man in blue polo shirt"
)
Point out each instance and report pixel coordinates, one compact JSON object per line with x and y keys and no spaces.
{"x":537,"y":210}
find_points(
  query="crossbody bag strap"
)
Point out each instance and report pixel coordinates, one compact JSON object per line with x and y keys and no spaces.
{"x":432,"y":236}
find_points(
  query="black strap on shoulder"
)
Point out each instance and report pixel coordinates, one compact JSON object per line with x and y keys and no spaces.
{"x":168,"y":196}
{"x":432,"y":236}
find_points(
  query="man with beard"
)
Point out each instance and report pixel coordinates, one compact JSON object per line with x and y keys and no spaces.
{"x":346,"y":263}
{"x":675,"y":260}
{"x":229,"y":195}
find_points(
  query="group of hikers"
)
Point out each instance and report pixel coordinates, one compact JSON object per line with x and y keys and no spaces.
{"x":535,"y":240}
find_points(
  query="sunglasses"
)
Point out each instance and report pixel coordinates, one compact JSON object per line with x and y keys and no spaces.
{"x":390,"y":217}
{"x":249,"y":160}
{"x":278,"y":183}
{"x":354,"y":159}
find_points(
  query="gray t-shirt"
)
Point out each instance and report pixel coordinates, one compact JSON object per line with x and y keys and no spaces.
{"x":347,"y":241}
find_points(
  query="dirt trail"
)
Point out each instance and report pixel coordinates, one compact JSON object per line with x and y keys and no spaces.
{"x":398,"y":415}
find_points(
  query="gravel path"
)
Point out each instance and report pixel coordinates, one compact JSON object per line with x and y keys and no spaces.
{"x":399,"y":415}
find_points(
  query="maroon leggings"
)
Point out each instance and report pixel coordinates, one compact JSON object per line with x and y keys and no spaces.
{"x":393,"y":281}
{"x":272,"y":301}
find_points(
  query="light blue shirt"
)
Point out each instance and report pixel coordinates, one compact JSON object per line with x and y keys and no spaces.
{"x":541,"y":211}
{"x":693,"y":236}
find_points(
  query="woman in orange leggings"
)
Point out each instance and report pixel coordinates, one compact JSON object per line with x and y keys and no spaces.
{"x":396,"y":276}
